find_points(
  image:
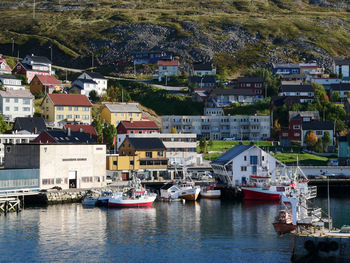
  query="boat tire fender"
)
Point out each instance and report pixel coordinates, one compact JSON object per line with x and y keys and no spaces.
{"x":333,"y":246}
{"x":309,"y":246}
{"x":323,"y":246}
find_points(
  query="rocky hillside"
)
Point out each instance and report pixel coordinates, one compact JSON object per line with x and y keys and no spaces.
{"x":234,"y":33}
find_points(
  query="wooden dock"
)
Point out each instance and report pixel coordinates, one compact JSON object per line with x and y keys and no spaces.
{"x":10,"y":204}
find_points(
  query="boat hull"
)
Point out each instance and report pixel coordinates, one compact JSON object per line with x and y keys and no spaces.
{"x":190,"y":194}
{"x":283,"y":228}
{"x":121,"y":203}
{"x":211,"y":194}
{"x":260,"y":194}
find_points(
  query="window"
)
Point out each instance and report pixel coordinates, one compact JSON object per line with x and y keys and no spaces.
{"x":253,"y":159}
{"x":76,"y":108}
{"x":59,"y":117}
{"x":254,"y":169}
{"x":130,"y":114}
{"x":136,"y":114}
{"x":26,"y":101}
{"x":70,"y":108}
{"x":160,"y":154}
{"x":7,"y":100}
{"x":16,"y":108}
{"x":319,"y":132}
{"x":245,"y":158}
{"x":26,"y":109}
{"x":87,"y":109}
{"x":69,"y":116}
{"x":59,"y":180}
{"x":296,"y":127}
{"x":59,"y":108}
{"x":243,"y":168}
{"x":47,"y":108}
{"x":77,"y":116}
{"x":86,"y":117}
{"x":262,"y":158}
{"x":7,"y":108}
{"x":122,"y":114}
{"x":149,"y":154}
{"x":131,"y":162}
{"x":48,"y":181}
{"x":115,"y":162}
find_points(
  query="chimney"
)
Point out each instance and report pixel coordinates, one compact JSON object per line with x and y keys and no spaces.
{"x":81,"y":130}
{"x":35,"y":130}
{"x":68,"y":132}
{"x":131,"y":120}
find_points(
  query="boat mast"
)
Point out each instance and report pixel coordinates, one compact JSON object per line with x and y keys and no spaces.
{"x":329,"y":207}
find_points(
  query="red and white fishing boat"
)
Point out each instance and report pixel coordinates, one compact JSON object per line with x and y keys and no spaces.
{"x":135,"y":196}
{"x":261,"y":188}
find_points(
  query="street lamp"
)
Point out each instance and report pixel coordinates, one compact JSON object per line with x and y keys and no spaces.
{"x":50,"y":47}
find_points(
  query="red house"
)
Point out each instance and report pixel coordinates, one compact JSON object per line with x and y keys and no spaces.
{"x":254,"y":83}
{"x":296,"y":119}
{"x":130,"y":127}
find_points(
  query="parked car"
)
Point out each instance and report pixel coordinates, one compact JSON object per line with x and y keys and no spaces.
{"x":229,"y":139}
{"x":333,"y":163}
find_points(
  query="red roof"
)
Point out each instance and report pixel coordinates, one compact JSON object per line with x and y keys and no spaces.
{"x":140,"y":125}
{"x":2,"y":60}
{"x":86,"y":128}
{"x":168,"y":63}
{"x":48,"y":80}
{"x":69,"y":100}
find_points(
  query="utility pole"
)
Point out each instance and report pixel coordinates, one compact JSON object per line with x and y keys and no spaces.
{"x":134,"y":68}
{"x":122,"y":95}
{"x":13,"y":46}
{"x":51,"y":52}
{"x":92,"y":62}
{"x":34,"y":10}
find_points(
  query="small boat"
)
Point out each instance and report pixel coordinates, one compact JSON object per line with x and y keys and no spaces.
{"x":170,"y":191}
{"x":132,"y":198}
{"x":209,"y":192}
{"x":283,"y":223}
{"x":89,"y":200}
{"x":103,"y":199}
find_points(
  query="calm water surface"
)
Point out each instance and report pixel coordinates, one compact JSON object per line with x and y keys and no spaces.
{"x":205,"y":231}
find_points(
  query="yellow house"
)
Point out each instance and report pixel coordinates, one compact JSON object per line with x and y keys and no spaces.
{"x":66,"y":108}
{"x":113,"y":113}
{"x":139,"y":155}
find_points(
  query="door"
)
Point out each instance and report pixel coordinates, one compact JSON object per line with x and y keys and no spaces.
{"x":73,"y":182}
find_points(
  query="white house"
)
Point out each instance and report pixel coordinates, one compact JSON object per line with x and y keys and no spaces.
{"x":203,"y":69}
{"x":342,"y":66}
{"x":319,"y":128}
{"x":11,"y":82}
{"x":16,"y":103}
{"x":99,"y":79}
{"x":326,"y":82}
{"x":84,"y":86}
{"x":167,"y":68}
{"x":237,"y":165}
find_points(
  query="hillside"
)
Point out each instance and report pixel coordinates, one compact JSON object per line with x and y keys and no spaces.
{"x":232,"y":33}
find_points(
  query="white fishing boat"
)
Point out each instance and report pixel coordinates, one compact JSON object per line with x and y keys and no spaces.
{"x":188,"y":191}
{"x":170,"y":191}
{"x":135,"y":196}
{"x":210,"y":192}
{"x":89,"y":200}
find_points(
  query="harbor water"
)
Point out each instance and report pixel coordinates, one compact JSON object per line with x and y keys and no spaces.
{"x":203,"y":231}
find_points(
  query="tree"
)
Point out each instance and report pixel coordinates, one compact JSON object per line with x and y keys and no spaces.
{"x":335,"y":96}
{"x":311,"y":139}
{"x":93,"y":96}
{"x":326,"y":141}
{"x":109,"y":131}
{"x":203,"y":145}
{"x":3,"y":124}
{"x":173,"y":130}
{"x":98,"y":127}
{"x":210,"y":143}
{"x":319,"y":146}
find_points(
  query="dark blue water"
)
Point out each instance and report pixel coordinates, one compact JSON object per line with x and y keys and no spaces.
{"x":205,"y":231}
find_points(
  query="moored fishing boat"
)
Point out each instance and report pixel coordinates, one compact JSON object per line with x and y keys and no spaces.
{"x":188,"y":191}
{"x":89,"y":200}
{"x":209,"y":192}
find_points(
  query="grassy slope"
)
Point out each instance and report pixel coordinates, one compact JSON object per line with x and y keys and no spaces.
{"x":284,"y":19}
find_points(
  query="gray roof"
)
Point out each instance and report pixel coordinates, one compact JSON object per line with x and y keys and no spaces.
{"x":204,"y":79}
{"x":40,"y":60}
{"x":250,"y":79}
{"x":123,"y":107}
{"x":342,"y":61}
{"x":146,"y":143}
{"x":315,"y":115}
{"x":202,"y":66}
{"x":30,"y":124}
{"x":285,"y":65}
{"x":297,"y":88}
{"x":95,"y":75}
{"x":340,"y":87}
{"x":16,"y":94}
{"x":318,"y":125}
{"x":86,"y":81}
{"x":246,"y":92}
{"x":232,"y":153}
